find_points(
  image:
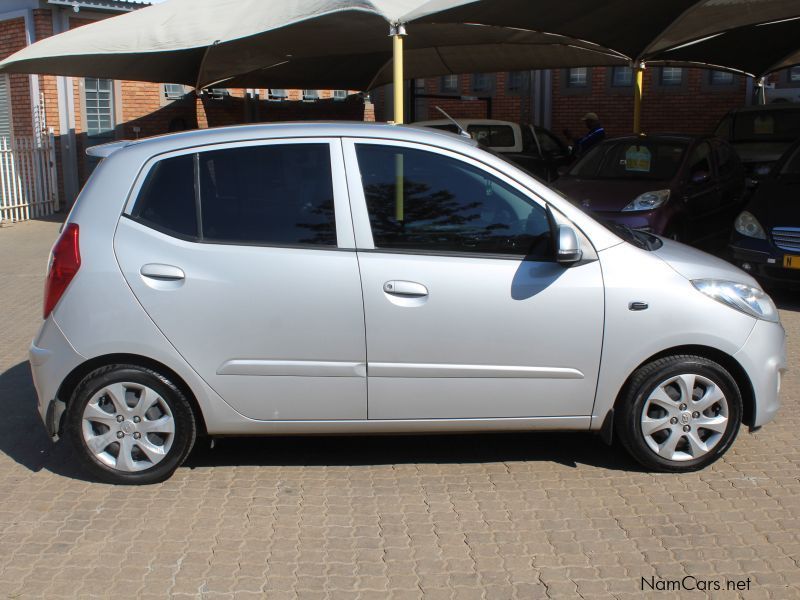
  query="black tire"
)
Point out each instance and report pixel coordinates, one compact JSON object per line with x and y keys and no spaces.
{"x":182,"y":440}
{"x":629,"y":411}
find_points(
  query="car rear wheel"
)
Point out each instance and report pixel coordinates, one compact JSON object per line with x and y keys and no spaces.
{"x":679,"y":413}
{"x":130,"y":425}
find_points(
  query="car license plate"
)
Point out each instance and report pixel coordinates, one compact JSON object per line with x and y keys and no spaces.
{"x":791,"y":262}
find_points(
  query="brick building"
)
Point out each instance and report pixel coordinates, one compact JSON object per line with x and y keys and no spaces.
{"x":675,"y":99}
{"x":82,"y":112}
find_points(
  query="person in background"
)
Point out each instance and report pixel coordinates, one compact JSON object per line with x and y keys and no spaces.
{"x":596,"y":134}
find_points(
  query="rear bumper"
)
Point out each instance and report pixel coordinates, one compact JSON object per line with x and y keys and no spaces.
{"x":763,"y":357}
{"x":52,"y":358}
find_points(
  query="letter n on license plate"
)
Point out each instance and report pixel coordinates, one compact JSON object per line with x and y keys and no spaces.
{"x":791,"y":262}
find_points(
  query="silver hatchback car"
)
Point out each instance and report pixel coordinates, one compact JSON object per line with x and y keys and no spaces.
{"x":365,"y":278}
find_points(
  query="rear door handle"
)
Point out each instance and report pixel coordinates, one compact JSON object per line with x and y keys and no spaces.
{"x":162,"y":272}
{"x":409,"y":289}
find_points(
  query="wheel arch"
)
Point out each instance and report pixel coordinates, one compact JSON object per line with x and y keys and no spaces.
{"x":728,"y":362}
{"x":77,"y":375}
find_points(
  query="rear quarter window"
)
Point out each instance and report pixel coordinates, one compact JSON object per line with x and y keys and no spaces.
{"x":166,"y":200}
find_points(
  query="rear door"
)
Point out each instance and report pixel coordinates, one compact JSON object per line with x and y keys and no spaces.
{"x":244,"y":257}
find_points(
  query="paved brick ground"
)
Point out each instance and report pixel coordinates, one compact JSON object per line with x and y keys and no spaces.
{"x":511,"y":516}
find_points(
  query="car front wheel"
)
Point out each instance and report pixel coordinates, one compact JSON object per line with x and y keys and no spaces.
{"x":130,"y":425}
{"x":679,"y":413}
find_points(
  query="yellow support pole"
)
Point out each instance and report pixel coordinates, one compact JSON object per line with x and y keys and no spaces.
{"x":638,"y":90}
{"x":398,"y":32}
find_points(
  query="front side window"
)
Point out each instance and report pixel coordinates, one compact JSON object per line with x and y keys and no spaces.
{"x":794,"y":74}
{"x":423,"y":201}
{"x":278,"y":195}
{"x":700,"y":160}
{"x":99,"y":97}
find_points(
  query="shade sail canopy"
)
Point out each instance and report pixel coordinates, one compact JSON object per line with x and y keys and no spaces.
{"x":636,"y":28}
{"x":294,"y":43}
{"x":344,"y":44}
{"x":753,"y":49}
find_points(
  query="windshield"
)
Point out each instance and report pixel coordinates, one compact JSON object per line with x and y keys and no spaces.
{"x":641,"y":159}
{"x":765,"y":126}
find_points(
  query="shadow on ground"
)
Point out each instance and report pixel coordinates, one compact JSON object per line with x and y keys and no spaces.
{"x":23,"y":438}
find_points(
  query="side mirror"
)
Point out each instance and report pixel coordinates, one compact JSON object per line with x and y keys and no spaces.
{"x":700,"y":176}
{"x":568,"y":248}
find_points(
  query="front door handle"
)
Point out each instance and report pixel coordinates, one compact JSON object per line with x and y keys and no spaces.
{"x":162,"y":272}
{"x":409,"y":289}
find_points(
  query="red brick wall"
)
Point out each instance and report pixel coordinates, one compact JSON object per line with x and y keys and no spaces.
{"x":694,"y":107}
{"x":12,"y":39}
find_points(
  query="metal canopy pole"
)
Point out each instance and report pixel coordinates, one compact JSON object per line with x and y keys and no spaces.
{"x":638,"y":90}
{"x":397,"y":32}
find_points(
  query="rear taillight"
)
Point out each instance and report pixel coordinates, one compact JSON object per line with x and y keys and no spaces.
{"x":65,"y":260}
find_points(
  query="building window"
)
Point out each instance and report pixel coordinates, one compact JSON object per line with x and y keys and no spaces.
{"x":5,"y":108}
{"x":173,"y":91}
{"x":720,"y":78}
{"x":449,"y":83}
{"x":794,"y":75}
{"x":621,"y":77}
{"x":671,"y":76}
{"x":99,"y":103}
{"x":517,"y":81}
{"x":310,"y":95}
{"x":578,"y":77}
{"x":273,"y":94}
{"x":482,"y":82}
{"x":339,"y":94}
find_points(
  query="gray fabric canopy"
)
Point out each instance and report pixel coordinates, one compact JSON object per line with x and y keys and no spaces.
{"x":291,"y":43}
{"x":344,"y":44}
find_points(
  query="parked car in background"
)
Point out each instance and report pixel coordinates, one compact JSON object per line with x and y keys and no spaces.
{"x":761,"y":134}
{"x":229,"y":282}
{"x":534,"y":148}
{"x":766,"y":235}
{"x":688,"y":188}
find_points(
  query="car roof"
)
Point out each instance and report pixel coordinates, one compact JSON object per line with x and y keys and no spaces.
{"x":235,"y":133}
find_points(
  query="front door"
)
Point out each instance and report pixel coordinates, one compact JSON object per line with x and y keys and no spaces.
{"x":244,"y":257}
{"x":467,"y":314}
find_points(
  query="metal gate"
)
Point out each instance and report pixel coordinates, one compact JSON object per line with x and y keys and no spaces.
{"x":28,"y":178}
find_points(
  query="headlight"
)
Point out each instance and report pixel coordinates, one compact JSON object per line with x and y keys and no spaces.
{"x":648,"y":201}
{"x":745,"y":298}
{"x":748,"y":225}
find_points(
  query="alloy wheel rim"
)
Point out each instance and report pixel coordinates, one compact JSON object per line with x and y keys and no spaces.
{"x":128,"y":426}
{"x":684,"y":417}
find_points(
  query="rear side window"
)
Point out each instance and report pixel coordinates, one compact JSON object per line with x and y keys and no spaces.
{"x":276,"y":194}
{"x":271,"y":195}
{"x":166,"y":200}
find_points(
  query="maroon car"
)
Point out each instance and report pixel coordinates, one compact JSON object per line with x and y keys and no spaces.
{"x":689,"y":188}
